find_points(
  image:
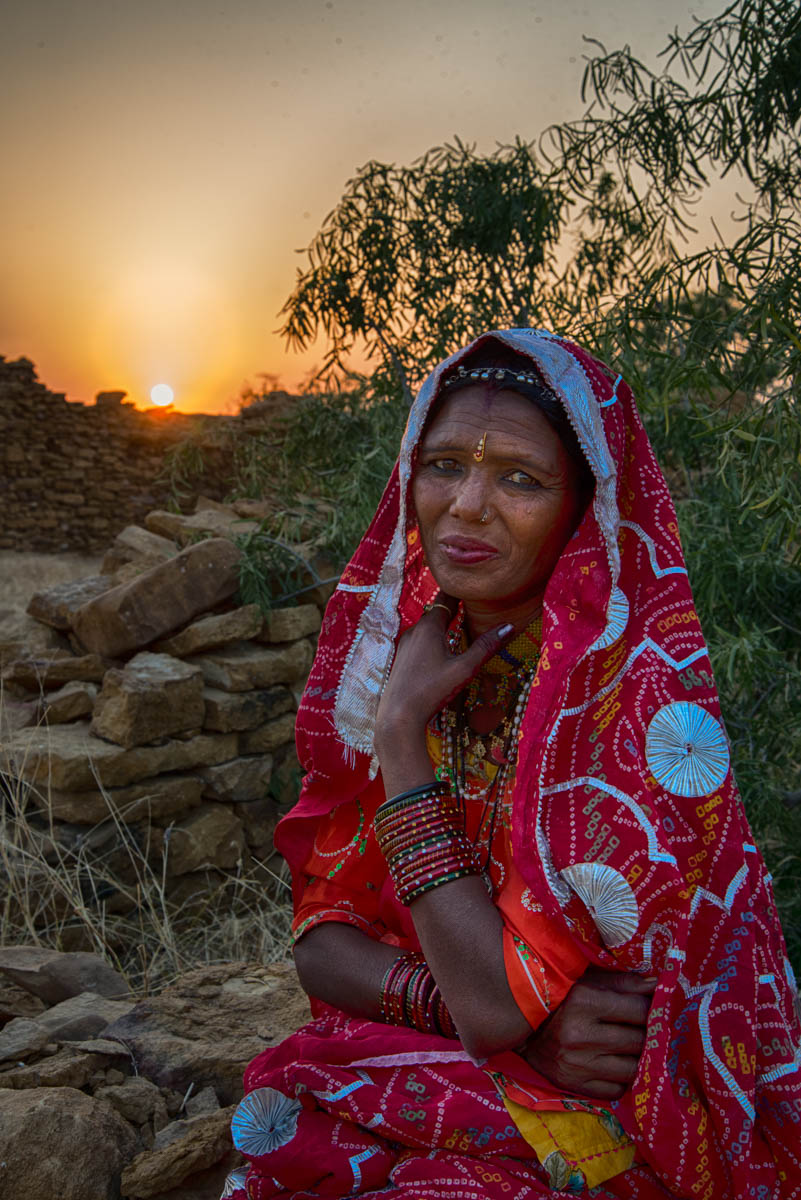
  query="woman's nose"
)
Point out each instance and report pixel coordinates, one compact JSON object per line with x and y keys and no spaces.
{"x":470,"y":498}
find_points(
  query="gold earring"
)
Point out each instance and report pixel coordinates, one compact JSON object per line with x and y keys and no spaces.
{"x":478,"y":453}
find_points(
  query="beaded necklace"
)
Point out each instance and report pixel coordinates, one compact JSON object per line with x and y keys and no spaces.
{"x":503,"y":682}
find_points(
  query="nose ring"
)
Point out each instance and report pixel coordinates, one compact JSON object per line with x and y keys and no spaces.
{"x":484,"y":518}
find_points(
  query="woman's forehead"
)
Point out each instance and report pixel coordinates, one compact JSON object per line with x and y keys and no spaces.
{"x":507,"y":414}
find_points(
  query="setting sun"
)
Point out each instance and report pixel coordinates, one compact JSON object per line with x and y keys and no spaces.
{"x":162,"y":394}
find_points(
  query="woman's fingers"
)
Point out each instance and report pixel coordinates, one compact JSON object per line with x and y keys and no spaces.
{"x":619,"y":1039}
{"x":617,"y":1007}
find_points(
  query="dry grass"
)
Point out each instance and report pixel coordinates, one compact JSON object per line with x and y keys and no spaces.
{"x":104,"y":888}
{"x":22,"y":574}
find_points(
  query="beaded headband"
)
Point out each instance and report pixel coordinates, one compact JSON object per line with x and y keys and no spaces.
{"x":494,"y":373}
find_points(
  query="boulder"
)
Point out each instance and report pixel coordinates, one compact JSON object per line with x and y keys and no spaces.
{"x":210,"y":1023}
{"x":211,"y":836}
{"x":226,"y":711}
{"x":206,"y":1140}
{"x":289,"y":624}
{"x":58,"y":1142}
{"x":53,"y":976}
{"x":134,"y":614}
{"x":239,"y":780}
{"x":71,"y":759}
{"x":71,"y":702}
{"x":57,"y":605}
{"x":153,"y":697}
{"x":81,"y":1016}
{"x":155,"y":801}
{"x":244,"y":667}
{"x":219,"y":629}
{"x":34,"y":673}
{"x":269,"y":736}
{"x":21,"y":634}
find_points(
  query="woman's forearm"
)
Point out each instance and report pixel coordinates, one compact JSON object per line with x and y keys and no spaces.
{"x":460,"y":929}
{"x":344,"y":967}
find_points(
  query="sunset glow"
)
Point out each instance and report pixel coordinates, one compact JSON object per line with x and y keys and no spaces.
{"x":228,"y":152}
{"x":162,"y":394}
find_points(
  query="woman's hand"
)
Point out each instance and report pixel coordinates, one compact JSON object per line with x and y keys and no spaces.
{"x":592,"y":1044}
{"x":425,"y":675}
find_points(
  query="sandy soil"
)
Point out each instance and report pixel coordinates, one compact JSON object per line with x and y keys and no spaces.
{"x":23,"y":574}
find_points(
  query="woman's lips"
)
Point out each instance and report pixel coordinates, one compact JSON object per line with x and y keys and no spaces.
{"x":464,"y":550}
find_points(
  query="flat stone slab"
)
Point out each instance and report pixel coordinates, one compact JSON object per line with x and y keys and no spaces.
{"x":244,"y":667}
{"x":54,"y":975}
{"x":238,"y":781}
{"x":205,"y":1141}
{"x":35,"y":673}
{"x":133,"y":615}
{"x":21,"y":635}
{"x":71,"y":759}
{"x":20,"y":1037}
{"x":135,"y":544}
{"x":206,"y":1027}
{"x":151,"y":800}
{"x":226,"y":711}
{"x":56,"y":606}
{"x":270,"y":736}
{"x":71,"y":702}
{"x":154,"y":696}
{"x":66,"y":1068}
{"x":183,"y":529}
{"x":81,"y":1016}
{"x":211,"y":836}
{"x":219,"y":629}
{"x":289,"y":624}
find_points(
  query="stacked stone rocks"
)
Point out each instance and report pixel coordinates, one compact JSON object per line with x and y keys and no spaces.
{"x":101,"y":1097}
{"x":157,"y":708}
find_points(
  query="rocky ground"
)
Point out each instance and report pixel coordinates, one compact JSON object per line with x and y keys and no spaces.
{"x":103,"y":1098}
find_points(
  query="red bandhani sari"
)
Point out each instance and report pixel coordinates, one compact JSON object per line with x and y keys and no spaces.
{"x":626,"y":846}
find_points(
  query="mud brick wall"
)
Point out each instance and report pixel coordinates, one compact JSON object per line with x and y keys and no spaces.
{"x":73,"y":475}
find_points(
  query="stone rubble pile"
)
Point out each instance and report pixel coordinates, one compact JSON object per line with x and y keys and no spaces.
{"x":101,"y":1097}
{"x":148,"y":701}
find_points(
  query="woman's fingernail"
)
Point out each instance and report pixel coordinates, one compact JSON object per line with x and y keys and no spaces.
{"x":504,"y":629}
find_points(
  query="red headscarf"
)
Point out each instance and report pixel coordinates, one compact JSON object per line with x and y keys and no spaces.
{"x":627,"y":824}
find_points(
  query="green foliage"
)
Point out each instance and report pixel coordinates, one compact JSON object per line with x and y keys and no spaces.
{"x":414,"y":259}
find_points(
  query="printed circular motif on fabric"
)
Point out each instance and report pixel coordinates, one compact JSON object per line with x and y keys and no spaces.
{"x":686,"y":749}
{"x":608,"y":896}
{"x":235,"y":1182}
{"x":617,"y":618}
{"x":265,"y":1120}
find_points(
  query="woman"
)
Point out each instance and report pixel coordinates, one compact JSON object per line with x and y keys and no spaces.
{"x":518,"y":779}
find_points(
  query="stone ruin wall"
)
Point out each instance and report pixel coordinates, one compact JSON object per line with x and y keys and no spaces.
{"x":73,"y":475}
{"x":147,"y":703}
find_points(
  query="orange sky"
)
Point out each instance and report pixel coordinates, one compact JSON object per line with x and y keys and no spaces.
{"x":163,"y":161}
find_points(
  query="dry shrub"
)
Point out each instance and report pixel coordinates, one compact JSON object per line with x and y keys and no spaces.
{"x":104,"y":888}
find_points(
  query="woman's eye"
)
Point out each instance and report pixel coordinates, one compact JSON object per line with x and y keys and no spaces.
{"x":443,"y":464}
{"x":521,"y":479}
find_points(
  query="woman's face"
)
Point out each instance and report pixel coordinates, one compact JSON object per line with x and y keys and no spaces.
{"x":522,"y":481}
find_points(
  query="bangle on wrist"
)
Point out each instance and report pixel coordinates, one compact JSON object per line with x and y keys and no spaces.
{"x":421,"y":835}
